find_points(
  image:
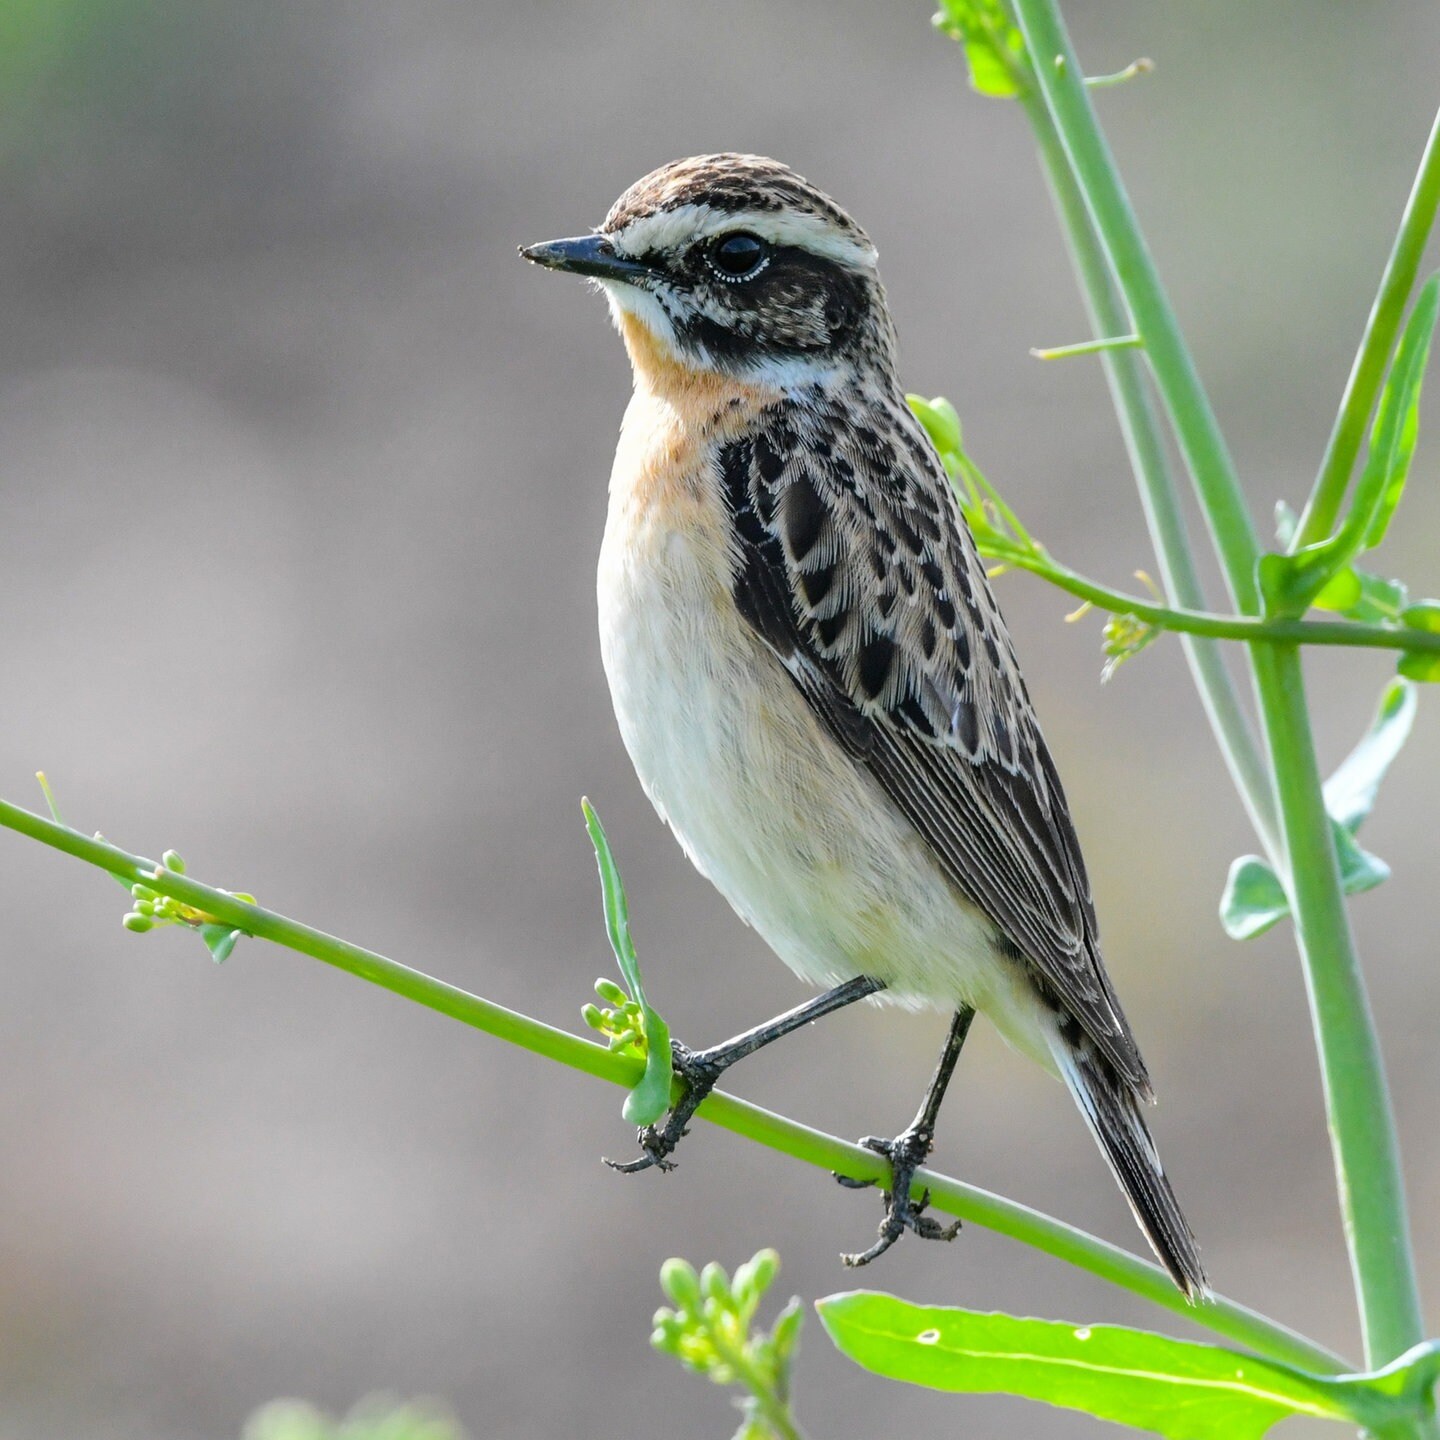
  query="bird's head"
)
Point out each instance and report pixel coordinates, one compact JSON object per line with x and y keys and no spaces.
{"x":737,"y":265}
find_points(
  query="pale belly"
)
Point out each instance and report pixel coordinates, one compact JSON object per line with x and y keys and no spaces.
{"x":800,"y":841}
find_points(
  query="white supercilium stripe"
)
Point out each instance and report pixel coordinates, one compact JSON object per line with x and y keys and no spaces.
{"x":672,"y":230}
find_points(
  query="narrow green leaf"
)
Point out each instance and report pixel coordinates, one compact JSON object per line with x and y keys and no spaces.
{"x":1350,"y":792}
{"x":1397,"y":420}
{"x":1253,"y":899}
{"x":1175,"y":1388}
{"x":650,"y":1098}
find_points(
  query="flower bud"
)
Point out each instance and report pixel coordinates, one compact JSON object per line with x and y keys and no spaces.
{"x":679,"y":1281}
{"x":609,"y":990}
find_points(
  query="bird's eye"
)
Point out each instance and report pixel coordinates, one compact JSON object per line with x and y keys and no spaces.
{"x":738,"y":256}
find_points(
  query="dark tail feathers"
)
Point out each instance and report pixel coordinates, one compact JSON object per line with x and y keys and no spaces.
{"x":1111,"y":1106}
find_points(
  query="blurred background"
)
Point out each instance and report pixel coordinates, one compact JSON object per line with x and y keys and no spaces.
{"x":303,"y":476}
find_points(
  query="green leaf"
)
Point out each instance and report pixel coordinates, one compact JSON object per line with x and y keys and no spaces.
{"x":1397,"y":420}
{"x":1340,"y":591}
{"x":1359,"y":595}
{"x":1420,"y":665}
{"x":1422,"y":615}
{"x":1381,"y":600}
{"x":220,"y":940}
{"x":1350,"y":792}
{"x":650,"y":1098}
{"x":1175,"y":1388}
{"x":1289,"y":583}
{"x":1359,"y":869}
{"x":994,"y":48}
{"x":1253,"y":899}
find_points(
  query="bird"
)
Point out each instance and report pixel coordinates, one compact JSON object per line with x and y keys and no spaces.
{"x":811,"y":674}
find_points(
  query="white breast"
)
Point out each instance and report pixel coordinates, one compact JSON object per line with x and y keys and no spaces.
{"x":801,"y":842}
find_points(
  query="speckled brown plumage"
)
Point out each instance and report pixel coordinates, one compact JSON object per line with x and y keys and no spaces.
{"x":809,"y":669}
{"x":853,"y":561}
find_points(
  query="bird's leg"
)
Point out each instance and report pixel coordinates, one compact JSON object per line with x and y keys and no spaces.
{"x":908,"y":1151}
{"x":702,"y":1069}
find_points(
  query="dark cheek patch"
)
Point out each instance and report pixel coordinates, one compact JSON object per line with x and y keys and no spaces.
{"x":798,"y":305}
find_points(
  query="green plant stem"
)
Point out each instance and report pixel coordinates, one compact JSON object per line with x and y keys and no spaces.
{"x":1140,"y":429}
{"x":828,"y":1152}
{"x":1222,"y":627}
{"x":1367,"y":375}
{"x":1367,"y":1169}
{"x":1357,"y":1099}
{"x":1089,"y":347}
{"x":775,"y":1410}
{"x":1061,"y":84}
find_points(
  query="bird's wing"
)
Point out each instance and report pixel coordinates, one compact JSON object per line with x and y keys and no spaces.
{"x":851,"y":560}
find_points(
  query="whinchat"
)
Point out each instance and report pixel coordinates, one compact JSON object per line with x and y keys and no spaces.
{"x":811,"y":674}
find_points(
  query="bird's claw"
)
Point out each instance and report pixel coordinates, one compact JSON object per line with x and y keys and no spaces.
{"x":906,"y":1153}
{"x":700,"y":1075}
{"x":657,"y":1148}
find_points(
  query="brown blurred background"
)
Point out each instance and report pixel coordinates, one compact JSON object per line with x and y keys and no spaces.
{"x":303,"y":478}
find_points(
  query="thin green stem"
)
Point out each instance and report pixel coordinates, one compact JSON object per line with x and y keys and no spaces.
{"x":775,"y":1409}
{"x":1136,"y":68}
{"x":1357,"y":1099}
{"x":1367,"y":1166}
{"x":1248,"y":628}
{"x":1089,"y":347}
{"x":1367,"y":375}
{"x":828,"y":1152}
{"x":1061,"y":83}
{"x":1140,"y":429}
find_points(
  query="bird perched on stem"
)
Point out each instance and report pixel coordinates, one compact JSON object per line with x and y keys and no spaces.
{"x":810,"y":672}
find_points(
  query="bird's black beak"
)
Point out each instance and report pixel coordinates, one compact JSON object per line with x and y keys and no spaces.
{"x":591,"y":255}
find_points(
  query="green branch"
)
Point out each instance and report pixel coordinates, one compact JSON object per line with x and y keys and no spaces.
{"x":1367,"y":375}
{"x":967,"y":1202}
{"x":1357,"y":1098}
{"x":1140,"y":429}
{"x":1250,"y":628}
{"x":1367,"y":1167}
{"x":1062,"y":86}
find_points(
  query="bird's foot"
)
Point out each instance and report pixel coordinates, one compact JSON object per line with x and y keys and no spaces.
{"x":700,"y":1071}
{"x":906,"y":1153}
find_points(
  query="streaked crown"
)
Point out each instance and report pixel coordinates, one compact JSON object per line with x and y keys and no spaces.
{"x":738,"y":264}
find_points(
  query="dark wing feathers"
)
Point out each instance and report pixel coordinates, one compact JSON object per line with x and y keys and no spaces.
{"x":851,"y":560}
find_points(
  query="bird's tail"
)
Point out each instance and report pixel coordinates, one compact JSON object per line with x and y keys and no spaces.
{"x":1111,"y":1106}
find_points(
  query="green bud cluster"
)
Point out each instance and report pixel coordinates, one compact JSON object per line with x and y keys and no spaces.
{"x":709,"y":1330}
{"x":621,"y":1021}
{"x":1124,"y":636}
{"x":150,"y":910}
